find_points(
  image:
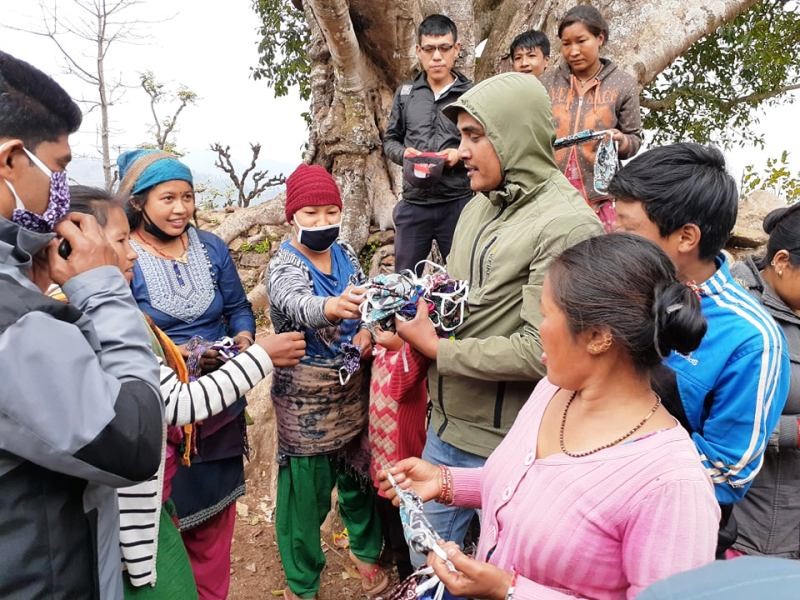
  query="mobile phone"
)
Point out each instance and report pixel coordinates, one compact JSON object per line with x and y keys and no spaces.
{"x":64,"y":249}
{"x":579,"y":138}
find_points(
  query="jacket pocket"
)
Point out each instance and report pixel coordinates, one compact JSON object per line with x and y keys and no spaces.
{"x":482,"y":262}
{"x":498,"y":404}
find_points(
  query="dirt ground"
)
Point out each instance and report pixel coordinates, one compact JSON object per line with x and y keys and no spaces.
{"x":256,"y":572}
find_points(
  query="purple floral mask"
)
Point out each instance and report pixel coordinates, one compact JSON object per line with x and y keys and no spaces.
{"x":57,"y":206}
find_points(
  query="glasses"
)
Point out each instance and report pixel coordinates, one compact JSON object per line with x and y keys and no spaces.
{"x":442,"y":48}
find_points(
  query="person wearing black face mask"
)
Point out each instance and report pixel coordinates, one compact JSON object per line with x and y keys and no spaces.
{"x":312,"y":288}
{"x":187,"y":283}
{"x":80,"y":409}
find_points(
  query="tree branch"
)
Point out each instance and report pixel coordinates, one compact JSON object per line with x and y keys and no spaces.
{"x":669,"y":101}
{"x":333,"y":17}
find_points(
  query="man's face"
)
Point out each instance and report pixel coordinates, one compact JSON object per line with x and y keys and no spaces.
{"x":632,"y":218}
{"x":529,"y":60}
{"x":437,"y":54}
{"x":484,"y":169}
{"x":30,"y":182}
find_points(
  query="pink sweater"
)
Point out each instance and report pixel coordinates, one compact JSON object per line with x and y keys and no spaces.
{"x":604,"y":526}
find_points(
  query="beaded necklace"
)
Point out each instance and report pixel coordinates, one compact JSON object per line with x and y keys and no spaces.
{"x":604,"y":446}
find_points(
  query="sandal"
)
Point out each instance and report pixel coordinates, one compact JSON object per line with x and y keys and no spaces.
{"x":290,"y":595}
{"x":374,"y":579}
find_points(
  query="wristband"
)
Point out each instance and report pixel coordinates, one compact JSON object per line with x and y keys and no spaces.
{"x":446,"y":485}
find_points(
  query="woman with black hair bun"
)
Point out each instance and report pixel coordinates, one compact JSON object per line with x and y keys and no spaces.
{"x":596,"y":491}
{"x":768,"y":517}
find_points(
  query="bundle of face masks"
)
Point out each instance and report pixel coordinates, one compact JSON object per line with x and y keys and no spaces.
{"x":605,"y":164}
{"x":397,"y":294}
{"x":197,"y":346}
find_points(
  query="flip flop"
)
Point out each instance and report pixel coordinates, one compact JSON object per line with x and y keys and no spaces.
{"x":374,"y":579}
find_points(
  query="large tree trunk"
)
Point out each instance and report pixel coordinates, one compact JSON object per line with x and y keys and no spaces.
{"x":363,"y":49}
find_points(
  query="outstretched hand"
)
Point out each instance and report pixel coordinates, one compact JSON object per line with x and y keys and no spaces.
{"x":419,"y":331}
{"x":472,"y":578}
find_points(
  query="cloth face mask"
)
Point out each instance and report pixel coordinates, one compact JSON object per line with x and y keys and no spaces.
{"x":318,"y":239}
{"x":57,"y":204}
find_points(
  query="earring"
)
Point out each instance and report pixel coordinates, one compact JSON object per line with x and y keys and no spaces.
{"x":600,"y":347}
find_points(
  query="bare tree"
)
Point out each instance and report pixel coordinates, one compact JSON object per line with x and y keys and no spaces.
{"x":98,"y":25}
{"x":164,"y":127}
{"x":260,"y":180}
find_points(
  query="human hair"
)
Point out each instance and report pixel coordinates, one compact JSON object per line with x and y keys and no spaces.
{"x":627,"y":283}
{"x":589,"y":17}
{"x":436,"y":25}
{"x":680,"y":184}
{"x":533,"y":38}
{"x":33,"y":107}
{"x":783,"y":227}
{"x":92,"y":201}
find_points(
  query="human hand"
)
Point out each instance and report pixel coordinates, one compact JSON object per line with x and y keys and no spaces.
{"x":338,"y":308}
{"x":363,"y":339}
{"x":415,"y":474}
{"x":388,"y":339}
{"x":472,"y":578}
{"x":451,"y":156}
{"x":419,"y":332}
{"x":284,"y":349}
{"x":409,"y":152}
{"x":90,"y":248}
{"x":243,"y":340}
{"x":619,"y":137}
{"x":209,"y":360}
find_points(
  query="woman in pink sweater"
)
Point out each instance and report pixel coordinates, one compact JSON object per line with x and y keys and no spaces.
{"x":596,"y":492}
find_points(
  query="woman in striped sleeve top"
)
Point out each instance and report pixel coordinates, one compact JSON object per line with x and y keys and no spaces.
{"x":149,"y":539}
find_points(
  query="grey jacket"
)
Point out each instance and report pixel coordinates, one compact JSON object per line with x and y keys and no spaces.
{"x":417,"y":122}
{"x":769,"y":515}
{"x":80,"y":414}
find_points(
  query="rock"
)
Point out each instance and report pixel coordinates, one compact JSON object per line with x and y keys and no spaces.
{"x":230,"y":209}
{"x":242,"y":510}
{"x":381,"y":237}
{"x":748,"y":232}
{"x":258,"y":298}
{"x":236,"y":245}
{"x":253,"y":259}
{"x":251,"y":567}
{"x":382,"y":261}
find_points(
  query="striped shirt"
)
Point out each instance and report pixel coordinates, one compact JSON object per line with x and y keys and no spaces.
{"x":184,"y":403}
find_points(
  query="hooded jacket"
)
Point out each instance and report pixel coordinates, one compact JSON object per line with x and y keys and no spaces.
{"x":768,"y":517}
{"x":416,"y":121}
{"x":80,"y":415}
{"x":503,"y":243}
{"x":612,"y":102}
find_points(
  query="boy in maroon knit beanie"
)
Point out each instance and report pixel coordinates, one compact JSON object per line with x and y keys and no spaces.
{"x":319,"y":404}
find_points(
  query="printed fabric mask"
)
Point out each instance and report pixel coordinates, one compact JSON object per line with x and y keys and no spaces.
{"x":57,"y":205}
{"x":318,"y":239}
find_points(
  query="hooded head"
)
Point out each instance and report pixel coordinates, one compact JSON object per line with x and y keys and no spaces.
{"x":514,"y":111}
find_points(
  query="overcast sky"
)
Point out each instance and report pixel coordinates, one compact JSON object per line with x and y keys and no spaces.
{"x":210,"y":46}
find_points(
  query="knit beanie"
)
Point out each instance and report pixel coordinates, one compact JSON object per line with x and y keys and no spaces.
{"x":310,"y":185}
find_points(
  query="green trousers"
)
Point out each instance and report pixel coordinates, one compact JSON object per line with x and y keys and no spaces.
{"x":304,"y":500}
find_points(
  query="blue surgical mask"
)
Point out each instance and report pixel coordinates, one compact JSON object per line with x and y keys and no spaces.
{"x":57,"y":205}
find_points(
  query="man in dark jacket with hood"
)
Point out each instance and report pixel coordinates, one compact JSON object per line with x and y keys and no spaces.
{"x":431,"y":206}
{"x":524,"y":214}
{"x":80,"y":411}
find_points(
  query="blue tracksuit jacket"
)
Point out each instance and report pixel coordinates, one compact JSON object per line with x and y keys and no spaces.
{"x":734,"y":386}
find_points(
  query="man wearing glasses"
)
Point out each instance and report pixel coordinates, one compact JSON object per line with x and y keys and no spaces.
{"x":419,"y":132}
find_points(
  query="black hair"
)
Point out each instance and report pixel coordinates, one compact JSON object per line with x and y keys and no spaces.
{"x":436,"y":25}
{"x":783,"y":227}
{"x":627,"y":283}
{"x":92,"y":201}
{"x":681,"y":184}
{"x":533,"y":38}
{"x":589,"y":17}
{"x":33,"y":107}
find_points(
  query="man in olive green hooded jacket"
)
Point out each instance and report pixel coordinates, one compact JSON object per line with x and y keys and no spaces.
{"x":524,"y":214}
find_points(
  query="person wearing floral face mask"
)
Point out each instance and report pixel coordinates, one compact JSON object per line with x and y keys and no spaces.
{"x":80,"y":411}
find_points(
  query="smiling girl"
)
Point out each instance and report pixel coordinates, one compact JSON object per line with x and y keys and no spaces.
{"x":187,"y":283}
{"x":590,"y":92}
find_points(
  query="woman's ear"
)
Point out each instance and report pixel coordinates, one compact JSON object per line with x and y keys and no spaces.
{"x":780,"y":262}
{"x":600,"y":340}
